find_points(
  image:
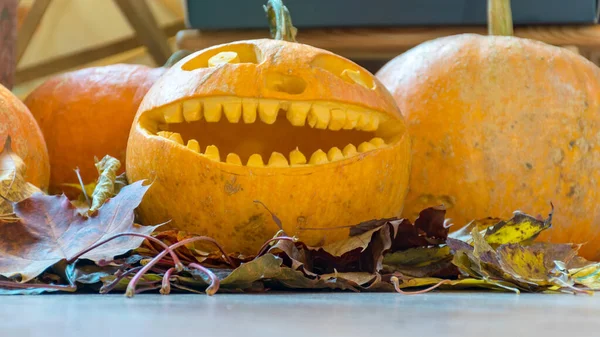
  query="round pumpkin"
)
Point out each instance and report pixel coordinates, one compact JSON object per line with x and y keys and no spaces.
{"x":499,"y":124}
{"x":26,"y":138}
{"x":308,"y":133}
{"x":88,"y":113}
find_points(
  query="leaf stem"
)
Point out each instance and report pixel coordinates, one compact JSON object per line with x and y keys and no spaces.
{"x":87,"y":198}
{"x":265,"y":246}
{"x":396,"y":284}
{"x":17,"y":285}
{"x":214,"y":280}
{"x":176,"y":260}
{"x":166,"y":282}
{"x":130,"y":292}
{"x":107,"y":288}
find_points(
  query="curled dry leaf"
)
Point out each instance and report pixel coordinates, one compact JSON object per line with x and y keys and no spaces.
{"x":105,"y":187}
{"x":13,"y":186}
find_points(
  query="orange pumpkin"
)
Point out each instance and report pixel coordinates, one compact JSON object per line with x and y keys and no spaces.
{"x":88,"y":113}
{"x":27,"y":140}
{"x":306,"y":132}
{"x":500,"y":124}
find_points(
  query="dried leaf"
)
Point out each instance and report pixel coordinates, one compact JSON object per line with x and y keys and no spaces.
{"x":50,"y":230}
{"x":13,"y":186}
{"x":105,"y":187}
{"x":588,"y":276}
{"x":520,"y":228}
{"x":421,"y":262}
{"x":465,"y":283}
{"x":533,"y":265}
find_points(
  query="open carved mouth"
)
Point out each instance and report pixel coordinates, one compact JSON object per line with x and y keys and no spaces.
{"x":274,"y":133}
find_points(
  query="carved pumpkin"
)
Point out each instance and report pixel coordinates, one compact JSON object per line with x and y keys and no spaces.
{"x":500,"y":124}
{"x":308,"y":133}
{"x":88,"y":113}
{"x":27,"y":140}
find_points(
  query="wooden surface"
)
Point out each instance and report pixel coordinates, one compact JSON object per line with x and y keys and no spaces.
{"x":146,"y":28}
{"x":383,"y":43}
{"x":67,"y":62}
{"x":30,"y":24}
{"x":458,"y":314}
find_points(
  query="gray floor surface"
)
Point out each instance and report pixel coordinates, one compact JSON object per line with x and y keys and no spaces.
{"x":306,"y":314}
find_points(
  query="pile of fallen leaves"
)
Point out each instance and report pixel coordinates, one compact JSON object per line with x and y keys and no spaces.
{"x":50,"y":243}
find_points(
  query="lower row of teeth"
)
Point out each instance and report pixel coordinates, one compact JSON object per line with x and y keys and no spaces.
{"x":296,"y":157}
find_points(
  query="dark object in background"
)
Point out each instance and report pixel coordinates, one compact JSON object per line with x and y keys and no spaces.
{"x":249,"y":14}
{"x":8,"y":41}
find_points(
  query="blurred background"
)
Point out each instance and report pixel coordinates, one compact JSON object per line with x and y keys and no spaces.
{"x":55,"y":36}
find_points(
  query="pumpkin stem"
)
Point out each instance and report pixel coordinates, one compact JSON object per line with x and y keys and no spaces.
{"x":500,"y":18}
{"x":280,"y":21}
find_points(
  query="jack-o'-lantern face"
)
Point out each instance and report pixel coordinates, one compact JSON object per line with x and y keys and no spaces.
{"x":308,"y":133}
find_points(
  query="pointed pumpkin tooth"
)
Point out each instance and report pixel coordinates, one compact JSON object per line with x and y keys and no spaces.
{"x":267,"y":110}
{"x":249,"y":107}
{"x":234,"y":159}
{"x":351,"y":119}
{"x":373,"y":123}
{"x":277,"y":160}
{"x":176,"y":137}
{"x":366,"y":146}
{"x":318,"y":157}
{"x":233,"y":111}
{"x":349,"y":150}
{"x":255,"y":160}
{"x":319,"y":116}
{"x":223,"y":57}
{"x":212,"y":153}
{"x":192,"y":110}
{"x":334,"y":154}
{"x":297,"y":157}
{"x":173,"y":113}
{"x":193,"y":145}
{"x":338,"y":119}
{"x":212,"y":111}
{"x":378,"y":142}
{"x":297,"y":113}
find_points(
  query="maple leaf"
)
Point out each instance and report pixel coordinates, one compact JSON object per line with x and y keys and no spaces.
{"x":50,"y":230}
{"x":13,"y":186}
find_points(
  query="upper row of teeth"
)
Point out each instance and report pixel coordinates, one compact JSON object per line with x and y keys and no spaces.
{"x":296,"y":157}
{"x":317,"y":115}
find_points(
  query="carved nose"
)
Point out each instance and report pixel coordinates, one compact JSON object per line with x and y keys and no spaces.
{"x":290,"y":84}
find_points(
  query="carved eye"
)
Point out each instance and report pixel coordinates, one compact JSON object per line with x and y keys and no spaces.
{"x":230,"y":53}
{"x":344,"y":69}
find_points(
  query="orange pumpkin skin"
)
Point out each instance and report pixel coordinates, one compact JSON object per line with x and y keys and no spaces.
{"x":316,"y":202}
{"x":26,"y":138}
{"x":502,"y":124}
{"x":88,"y":113}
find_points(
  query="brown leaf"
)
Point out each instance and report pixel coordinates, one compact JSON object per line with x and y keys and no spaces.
{"x":50,"y":230}
{"x":13,"y":186}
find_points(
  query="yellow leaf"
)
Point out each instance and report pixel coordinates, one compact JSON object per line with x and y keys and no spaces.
{"x":520,"y":228}
{"x":105,"y":187}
